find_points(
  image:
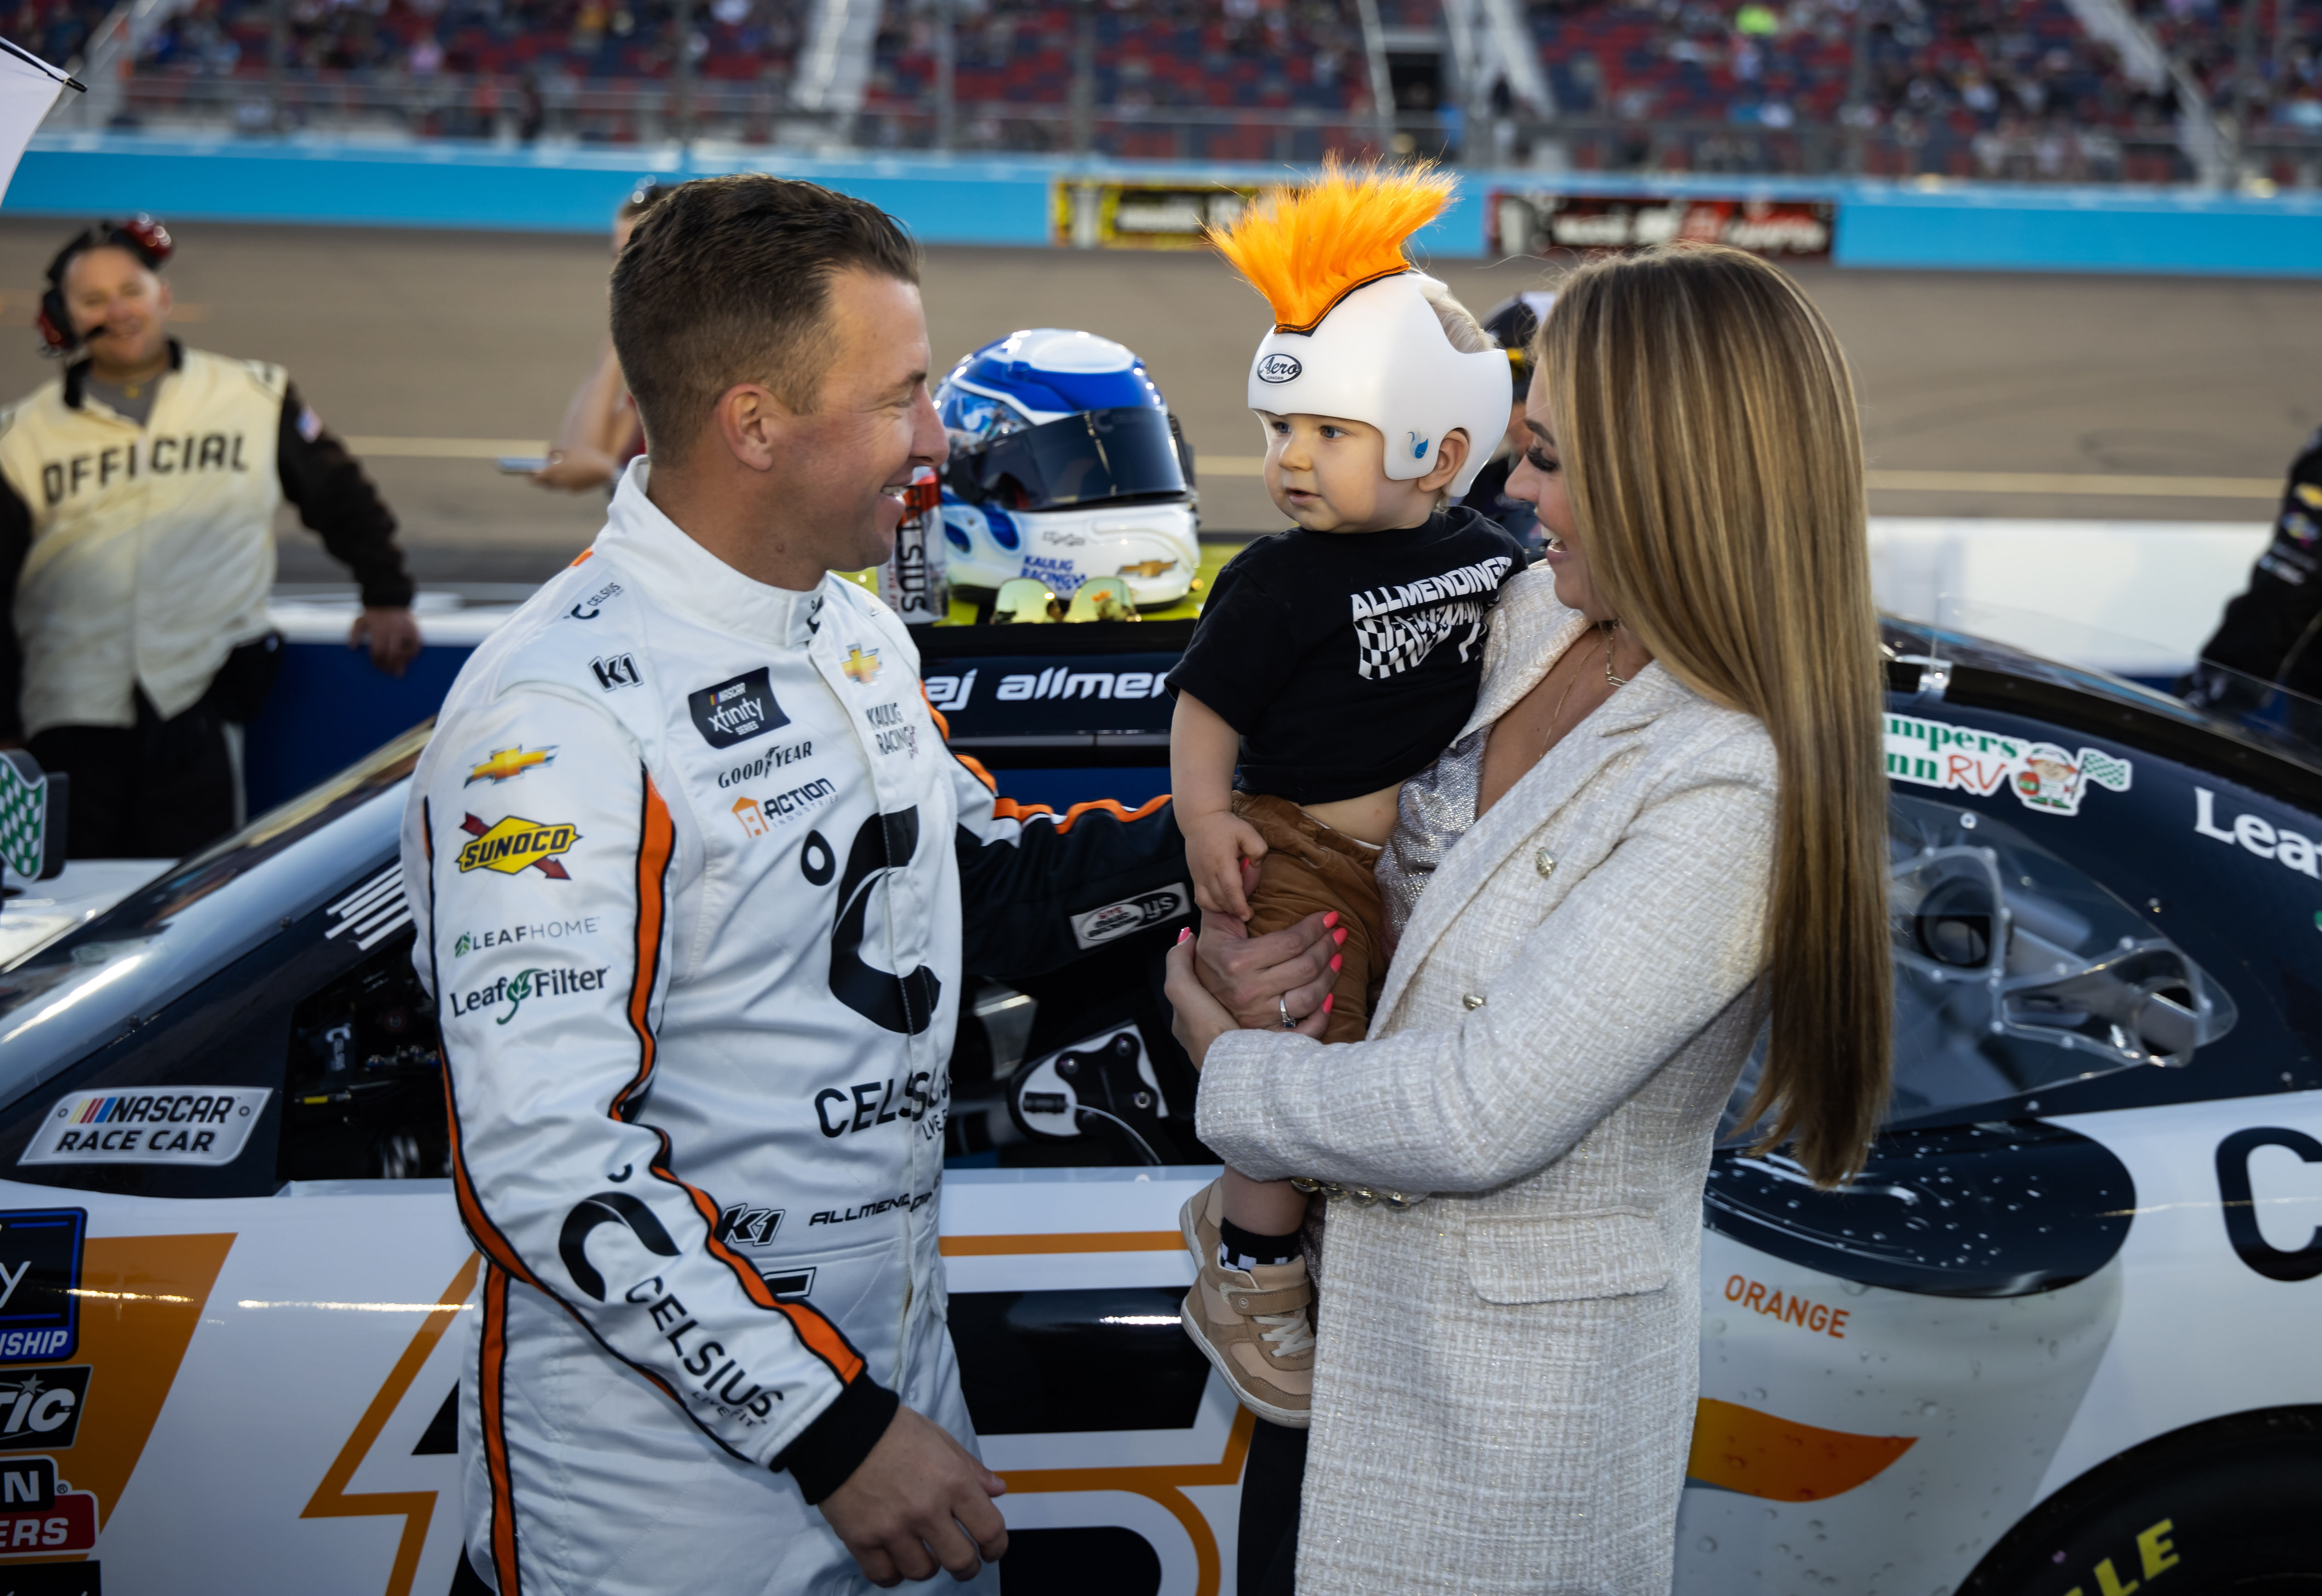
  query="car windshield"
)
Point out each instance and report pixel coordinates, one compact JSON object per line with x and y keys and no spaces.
{"x":66,"y":998}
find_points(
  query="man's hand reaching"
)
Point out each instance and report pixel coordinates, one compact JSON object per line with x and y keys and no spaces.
{"x":917,"y":1501}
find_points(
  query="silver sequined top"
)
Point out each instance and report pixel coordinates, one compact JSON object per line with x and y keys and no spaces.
{"x":1435,"y":810}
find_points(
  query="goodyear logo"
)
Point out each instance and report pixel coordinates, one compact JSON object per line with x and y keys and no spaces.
{"x":516,"y":844}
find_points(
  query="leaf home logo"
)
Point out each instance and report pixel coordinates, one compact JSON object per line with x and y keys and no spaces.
{"x":516,"y":844}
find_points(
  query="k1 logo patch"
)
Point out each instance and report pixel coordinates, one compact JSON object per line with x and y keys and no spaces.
{"x":616,"y":671}
{"x":735,"y":711}
{"x":40,"y":1283}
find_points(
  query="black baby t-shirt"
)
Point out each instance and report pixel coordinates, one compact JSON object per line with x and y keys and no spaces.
{"x":1348,"y":660}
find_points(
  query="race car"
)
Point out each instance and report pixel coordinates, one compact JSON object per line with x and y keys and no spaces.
{"x":2057,"y":1337}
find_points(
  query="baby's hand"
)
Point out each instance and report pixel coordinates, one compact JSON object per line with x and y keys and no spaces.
{"x":1215,"y":846}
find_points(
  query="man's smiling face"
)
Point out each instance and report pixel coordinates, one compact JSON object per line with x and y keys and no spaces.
{"x":873,"y":422}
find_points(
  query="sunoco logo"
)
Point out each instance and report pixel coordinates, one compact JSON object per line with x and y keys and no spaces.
{"x":1279,"y":368}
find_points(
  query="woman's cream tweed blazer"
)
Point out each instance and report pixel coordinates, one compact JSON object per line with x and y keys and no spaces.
{"x":1505,"y":1375}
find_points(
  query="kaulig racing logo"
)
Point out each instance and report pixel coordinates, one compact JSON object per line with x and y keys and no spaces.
{"x":513,"y":990}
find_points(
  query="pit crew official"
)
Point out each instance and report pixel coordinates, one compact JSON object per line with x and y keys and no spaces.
{"x":137,"y":497}
{"x":702,"y":1154}
{"x":2267,"y":634}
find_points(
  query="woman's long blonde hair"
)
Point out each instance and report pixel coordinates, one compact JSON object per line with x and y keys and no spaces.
{"x":1705,"y":420}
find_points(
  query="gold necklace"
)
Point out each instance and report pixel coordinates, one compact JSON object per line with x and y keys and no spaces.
{"x":1556,"y":714}
{"x":1608,"y":628}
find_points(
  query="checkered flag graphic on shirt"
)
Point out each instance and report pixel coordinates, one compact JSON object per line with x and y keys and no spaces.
{"x":23,"y":819}
{"x":1389,"y":644}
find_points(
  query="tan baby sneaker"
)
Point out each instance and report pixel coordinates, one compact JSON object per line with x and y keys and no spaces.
{"x":1251,"y":1322}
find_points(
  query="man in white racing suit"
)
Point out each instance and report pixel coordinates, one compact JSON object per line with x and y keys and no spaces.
{"x":688,"y":854}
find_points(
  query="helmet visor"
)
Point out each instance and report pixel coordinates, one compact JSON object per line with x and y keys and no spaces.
{"x":1084,"y":458}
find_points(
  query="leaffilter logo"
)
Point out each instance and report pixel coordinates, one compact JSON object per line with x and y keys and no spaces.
{"x":1279,"y":368}
{"x":513,"y":990}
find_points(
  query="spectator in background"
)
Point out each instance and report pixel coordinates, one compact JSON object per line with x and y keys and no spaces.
{"x":601,"y":433}
{"x":1512,"y":322}
{"x":137,"y":499}
{"x":2267,"y":634}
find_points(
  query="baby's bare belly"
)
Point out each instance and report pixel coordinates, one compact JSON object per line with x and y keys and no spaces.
{"x":1367,"y":819}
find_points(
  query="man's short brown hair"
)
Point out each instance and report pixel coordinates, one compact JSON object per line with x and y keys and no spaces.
{"x":726,"y":280}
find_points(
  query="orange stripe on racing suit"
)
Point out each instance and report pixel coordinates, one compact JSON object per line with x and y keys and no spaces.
{"x":1025,"y":871}
{"x":480,"y":1229}
{"x":492,"y":1410}
{"x":656,"y":844}
{"x":1007,"y":809}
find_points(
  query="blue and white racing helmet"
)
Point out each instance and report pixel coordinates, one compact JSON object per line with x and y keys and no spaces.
{"x":1065,"y":463}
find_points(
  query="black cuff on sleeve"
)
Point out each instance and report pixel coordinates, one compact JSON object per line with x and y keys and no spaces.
{"x":834,"y":1446}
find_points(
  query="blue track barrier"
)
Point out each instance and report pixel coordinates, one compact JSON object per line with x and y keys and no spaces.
{"x":1010,"y":200}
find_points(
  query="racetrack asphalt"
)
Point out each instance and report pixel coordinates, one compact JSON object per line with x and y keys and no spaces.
{"x":1976,"y":388}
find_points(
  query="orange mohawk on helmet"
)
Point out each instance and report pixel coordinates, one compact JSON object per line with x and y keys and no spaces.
{"x":1307,"y":249}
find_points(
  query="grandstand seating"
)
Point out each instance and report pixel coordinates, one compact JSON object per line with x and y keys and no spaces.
{"x":1950,"y":85}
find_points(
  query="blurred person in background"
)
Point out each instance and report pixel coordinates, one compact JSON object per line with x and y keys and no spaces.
{"x":601,"y":433}
{"x":1512,"y":322}
{"x":138,"y":490}
{"x":2267,"y":634}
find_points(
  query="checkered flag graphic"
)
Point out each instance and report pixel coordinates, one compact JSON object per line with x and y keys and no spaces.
{"x":1389,"y":644}
{"x":23,"y":819}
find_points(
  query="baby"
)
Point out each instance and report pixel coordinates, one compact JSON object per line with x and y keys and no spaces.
{"x":1332,"y":661}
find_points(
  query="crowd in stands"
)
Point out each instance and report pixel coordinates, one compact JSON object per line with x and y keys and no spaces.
{"x":1150,"y":57}
{"x":2279,"y":81}
{"x":2007,"y":88}
{"x":513,"y":57}
{"x":1978,"y":75}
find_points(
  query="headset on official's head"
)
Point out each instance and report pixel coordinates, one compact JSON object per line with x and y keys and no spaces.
{"x":141,"y":235}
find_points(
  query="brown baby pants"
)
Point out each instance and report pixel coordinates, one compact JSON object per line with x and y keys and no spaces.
{"x":1309,"y":868}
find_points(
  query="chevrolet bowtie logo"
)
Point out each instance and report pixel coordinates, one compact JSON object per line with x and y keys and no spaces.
{"x":862,"y":669}
{"x":509,"y":762}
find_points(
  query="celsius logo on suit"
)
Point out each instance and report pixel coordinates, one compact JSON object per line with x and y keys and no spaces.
{"x":735,"y":711}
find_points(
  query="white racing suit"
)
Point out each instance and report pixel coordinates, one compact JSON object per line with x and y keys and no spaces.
{"x":687,"y":854}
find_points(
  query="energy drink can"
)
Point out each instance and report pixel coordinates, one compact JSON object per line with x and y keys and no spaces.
{"x":913,"y":582}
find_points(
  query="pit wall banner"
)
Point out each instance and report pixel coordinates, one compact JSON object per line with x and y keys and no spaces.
{"x":1143,"y":216}
{"x":1545,"y":222}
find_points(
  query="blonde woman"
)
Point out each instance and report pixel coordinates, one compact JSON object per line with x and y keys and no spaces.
{"x":1661,"y":829}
